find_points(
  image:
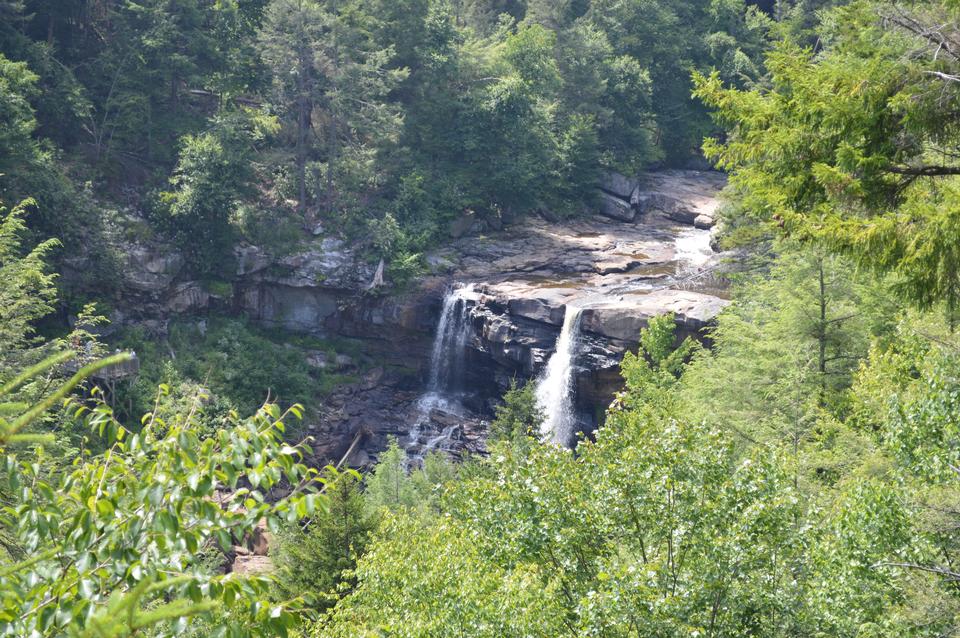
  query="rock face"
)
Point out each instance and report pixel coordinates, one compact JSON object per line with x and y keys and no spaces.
{"x":688,"y":197}
{"x":646,"y":252}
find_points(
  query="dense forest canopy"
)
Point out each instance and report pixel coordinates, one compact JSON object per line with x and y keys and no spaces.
{"x":792,"y":472}
{"x":384,"y":119}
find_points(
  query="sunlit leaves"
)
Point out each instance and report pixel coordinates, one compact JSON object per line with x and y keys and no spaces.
{"x":114,"y":544}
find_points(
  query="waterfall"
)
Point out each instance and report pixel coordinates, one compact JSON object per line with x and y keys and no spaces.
{"x":446,"y":378}
{"x":449,"y":344}
{"x":692,"y":249}
{"x":555,"y":386}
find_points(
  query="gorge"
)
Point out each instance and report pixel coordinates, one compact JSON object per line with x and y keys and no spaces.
{"x":554,"y":300}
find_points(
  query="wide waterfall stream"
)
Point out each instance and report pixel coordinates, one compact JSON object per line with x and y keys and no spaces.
{"x":446,"y":376}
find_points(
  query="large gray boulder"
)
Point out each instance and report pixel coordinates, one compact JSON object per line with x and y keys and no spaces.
{"x":624,"y":319}
{"x":687,"y":197}
{"x":616,"y":208}
{"x":619,"y":185}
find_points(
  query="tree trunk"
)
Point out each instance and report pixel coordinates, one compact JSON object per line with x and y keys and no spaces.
{"x":333,"y":150}
{"x":303,"y":128}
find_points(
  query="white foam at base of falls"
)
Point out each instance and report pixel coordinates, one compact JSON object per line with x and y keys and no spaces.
{"x":445,"y":380}
{"x":554,"y":390}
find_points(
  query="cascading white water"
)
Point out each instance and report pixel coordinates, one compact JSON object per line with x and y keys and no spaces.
{"x":447,"y":368}
{"x":441,"y":441}
{"x":450,"y":342}
{"x":555,"y":386}
{"x":692,"y":249}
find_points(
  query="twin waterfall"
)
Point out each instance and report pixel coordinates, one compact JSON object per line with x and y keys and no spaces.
{"x":554,"y":390}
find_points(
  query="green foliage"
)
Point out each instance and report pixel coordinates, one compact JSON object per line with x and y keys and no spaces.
{"x":425,"y":580}
{"x":545,"y":543}
{"x":111,"y":547}
{"x":790,"y":342}
{"x":328,"y":74}
{"x":314,"y":557}
{"x":388,"y":486}
{"x":239,"y":365}
{"x":849,"y":147}
{"x":654,"y":371}
{"x":212,"y":177}
{"x":395,"y":485}
{"x":519,"y":417}
{"x":27,"y":291}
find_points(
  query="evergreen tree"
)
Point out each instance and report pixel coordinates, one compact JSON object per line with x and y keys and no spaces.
{"x":330,"y":80}
{"x":314,"y":558}
{"x":27,"y":291}
{"x":851,"y":147}
{"x":519,"y":417}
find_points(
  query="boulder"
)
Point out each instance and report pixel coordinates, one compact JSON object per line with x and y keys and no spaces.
{"x":327,"y":264}
{"x":619,"y":185}
{"x":616,"y":208}
{"x":703,"y":221}
{"x":681,"y":196}
{"x":623,"y":320}
{"x":461,"y":225}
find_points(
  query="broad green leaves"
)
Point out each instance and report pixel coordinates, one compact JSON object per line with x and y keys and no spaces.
{"x":113,"y":545}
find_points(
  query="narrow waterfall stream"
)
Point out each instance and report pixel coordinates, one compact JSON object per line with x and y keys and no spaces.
{"x":555,"y":386}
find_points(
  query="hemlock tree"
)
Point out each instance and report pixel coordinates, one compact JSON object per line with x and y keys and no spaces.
{"x":330,"y":82}
{"x":388,"y":486}
{"x":853,"y":146}
{"x":789,"y":344}
{"x":519,"y":418}
{"x":315,"y":557}
{"x":27,"y":290}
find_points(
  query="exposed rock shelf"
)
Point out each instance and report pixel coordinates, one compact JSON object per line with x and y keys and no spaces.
{"x":644,"y":254}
